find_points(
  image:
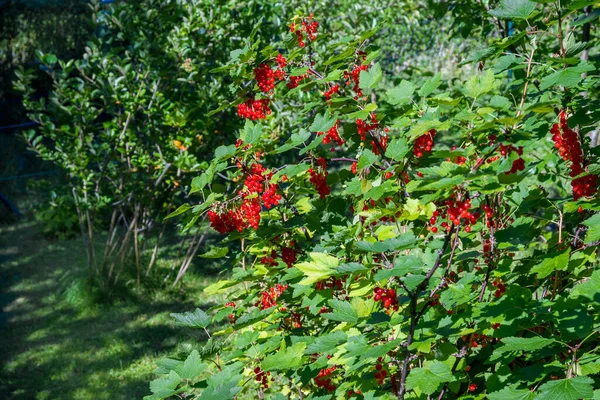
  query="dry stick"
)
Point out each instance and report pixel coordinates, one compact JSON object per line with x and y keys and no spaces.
{"x":109,"y":238}
{"x":136,"y":246}
{"x":160,"y":235}
{"x":414,"y":316}
{"x":187,"y":237}
{"x":121,"y":251}
{"x":189,"y":259}
{"x":524,"y":95}
{"x":83,"y":237}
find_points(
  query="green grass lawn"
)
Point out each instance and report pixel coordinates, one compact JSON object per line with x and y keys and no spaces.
{"x":55,"y":344}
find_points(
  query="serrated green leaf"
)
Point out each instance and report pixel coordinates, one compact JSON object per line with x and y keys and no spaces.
{"x":593,"y":232}
{"x":289,"y":358}
{"x":400,"y":94}
{"x":192,"y":367}
{"x":550,"y":263}
{"x":511,"y":393}
{"x":366,"y":159}
{"x":251,"y":133}
{"x":224,"y":152}
{"x":400,"y":243}
{"x":182,"y":209}
{"x":323,"y":123}
{"x":321,"y":267}
{"x":567,"y":389}
{"x":370,"y":78}
{"x":215,"y":252}
{"x":568,"y":77}
{"x":523,"y":344}
{"x":341,"y":311}
{"x":164,"y":387}
{"x":402,"y":266}
{"x":326,"y":343}
{"x":429,"y":378}
{"x":480,"y":84}
{"x":513,"y":9}
{"x":431,"y":84}
{"x":195,"y":319}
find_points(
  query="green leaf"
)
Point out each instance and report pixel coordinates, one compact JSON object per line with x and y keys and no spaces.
{"x":402,"y":266}
{"x":431,"y":84}
{"x":182,"y":208}
{"x":550,"y":263}
{"x":523,"y":344}
{"x":480,"y":84}
{"x":593,"y":232}
{"x":224,"y":152}
{"x":333,"y":75}
{"x":286,"y":358}
{"x":400,"y":94}
{"x":321,"y":267}
{"x":251,"y":133}
{"x":215,"y":252}
{"x":370,"y":78}
{"x":195,"y":319}
{"x":192,"y":367}
{"x":568,"y":77}
{"x":513,"y":9}
{"x":164,"y":386}
{"x":567,"y":389}
{"x":326,"y":343}
{"x":397,"y":149}
{"x":511,"y":393}
{"x":589,"y":288}
{"x":323,"y":123}
{"x":399,"y":243}
{"x":586,"y":18}
{"x":366,"y":159}
{"x":342,"y":311}
{"x":429,"y":378}
{"x":51,"y":59}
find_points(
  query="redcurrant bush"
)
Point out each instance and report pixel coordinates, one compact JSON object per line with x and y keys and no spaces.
{"x":432,"y":238}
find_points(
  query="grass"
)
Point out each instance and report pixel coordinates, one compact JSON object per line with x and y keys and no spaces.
{"x":56,"y":343}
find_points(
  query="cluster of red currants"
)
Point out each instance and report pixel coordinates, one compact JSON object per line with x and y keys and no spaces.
{"x":569,"y":148}
{"x":500,"y":288}
{"x":353,"y":77}
{"x":319,"y":179}
{"x":262,"y":377}
{"x":381,"y":372}
{"x":519,"y":163}
{"x":289,"y":255}
{"x":231,"y":316}
{"x":248,"y":213}
{"x":265,"y":77}
{"x":269,"y":260}
{"x":254,"y":109}
{"x":323,"y":381}
{"x":383,"y":143}
{"x":332,"y":135}
{"x":294,"y":81}
{"x":334,"y":89}
{"x":331,"y":283}
{"x":387,"y":298}
{"x":457,"y":212}
{"x":424,"y":143}
{"x":309,"y":26}
{"x":269,"y":297}
{"x":459,"y":160}
{"x":476,"y":340}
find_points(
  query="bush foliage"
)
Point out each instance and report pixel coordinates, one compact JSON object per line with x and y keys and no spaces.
{"x":432,"y":237}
